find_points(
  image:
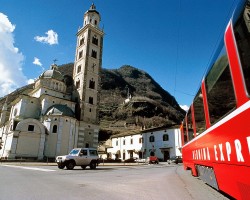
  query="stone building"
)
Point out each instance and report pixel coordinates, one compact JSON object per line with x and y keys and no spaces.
{"x":54,"y":116}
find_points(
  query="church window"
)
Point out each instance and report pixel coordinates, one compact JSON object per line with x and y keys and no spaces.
{"x":131,"y":141}
{"x":87,"y":145}
{"x":165,"y":137}
{"x":92,"y":84}
{"x":14,"y":125}
{"x":15,"y":111}
{"x":56,"y":86}
{"x":54,"y":129}
{"x":81,"y":41}
{"x":140,"y":140}
{"x":95,"y":22}
{"x":95,"y":40}
{"x":79,"y":68}
{"x":31,"y":128}
{"x":94,"y":54}
{"x":77,"y":84}
{"x":91,"y":100}
{"x":90,"y":110}
{"x":124,"y":142}
{"x":80,"y":55}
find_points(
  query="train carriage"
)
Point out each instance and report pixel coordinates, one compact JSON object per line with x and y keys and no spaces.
{"x":216,"y":129}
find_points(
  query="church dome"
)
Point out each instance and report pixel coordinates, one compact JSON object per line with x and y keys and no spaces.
{"x":52,"y":73}
{"x":59,"y":109}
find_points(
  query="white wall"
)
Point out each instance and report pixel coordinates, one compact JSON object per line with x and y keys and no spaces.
{"x":118,"y":145}
{"x":172,"y":145}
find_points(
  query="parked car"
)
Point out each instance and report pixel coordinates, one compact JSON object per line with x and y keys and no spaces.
{"x":153,"y":160}
{"x":175,"y":159}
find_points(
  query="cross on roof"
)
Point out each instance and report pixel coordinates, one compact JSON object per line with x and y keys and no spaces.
{"x":55,"y":61}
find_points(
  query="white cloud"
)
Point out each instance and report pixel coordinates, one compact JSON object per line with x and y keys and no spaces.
{"x":51,"y":38}
{"x":11,"y":59}
{"x":30,"y":81}
{"x":184,"y":107}
{"x":37,"y":61}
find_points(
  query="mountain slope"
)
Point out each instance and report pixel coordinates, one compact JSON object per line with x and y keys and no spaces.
{"x":147,"y":103}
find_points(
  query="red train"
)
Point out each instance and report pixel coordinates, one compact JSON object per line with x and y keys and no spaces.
{"x":215,"y":132}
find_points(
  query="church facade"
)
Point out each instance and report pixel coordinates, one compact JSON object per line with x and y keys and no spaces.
{"x":54,"y":116}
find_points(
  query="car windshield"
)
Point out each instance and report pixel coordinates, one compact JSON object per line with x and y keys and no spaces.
{"x":74,"y":152}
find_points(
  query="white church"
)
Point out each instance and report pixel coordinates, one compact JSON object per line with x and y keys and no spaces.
{"x":52,"y":117}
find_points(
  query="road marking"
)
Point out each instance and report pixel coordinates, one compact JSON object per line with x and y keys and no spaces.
{"x":30,"y":168}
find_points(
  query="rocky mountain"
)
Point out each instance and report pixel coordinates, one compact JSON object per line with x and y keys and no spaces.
{"x":130,"y":99}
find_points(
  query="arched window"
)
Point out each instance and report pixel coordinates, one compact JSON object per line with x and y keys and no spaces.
{"x":79,"y":68}
{"x":78,"y":84}
{"x":151,"y":138}
{"x":15,"y":111}
{"x":94,"y":54}
{"x":80,"y":54}
{"x":81,"y":41}
{"x":95,"y":40}
{"x":54,"y":129}
{"x":91,"y":100}
{"x":165,"y":137}
{"x":92,"y":84}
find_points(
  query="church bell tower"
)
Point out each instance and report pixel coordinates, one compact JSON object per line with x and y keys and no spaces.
{"x":86,"y":75}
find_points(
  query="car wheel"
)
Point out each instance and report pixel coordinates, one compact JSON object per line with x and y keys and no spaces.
{"x":92,"y":165}
{"x":61,"y":166}
{"x":70,"y":165}
{"x":83,"y":166}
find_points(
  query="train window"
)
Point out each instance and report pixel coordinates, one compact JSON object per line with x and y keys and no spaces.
{"x":199,"y":115}
{"x":185,"y":132}
{"x":219,"y":87}
{"x":242,"y":36}
{"x":190,"y":126}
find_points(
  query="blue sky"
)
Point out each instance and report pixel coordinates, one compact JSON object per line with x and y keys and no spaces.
{"x":172,"y":40}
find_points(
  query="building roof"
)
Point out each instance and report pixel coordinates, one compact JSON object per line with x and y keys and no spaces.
{"x":92,"y":9}
{"x":52,"y":73}
{"x":59,"y":109}
{"x":136,"y":132}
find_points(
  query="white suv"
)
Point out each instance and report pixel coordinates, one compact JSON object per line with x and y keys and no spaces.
{"x":79,"y":157}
